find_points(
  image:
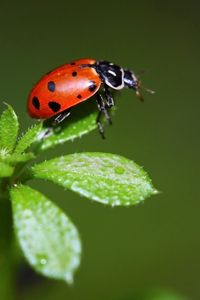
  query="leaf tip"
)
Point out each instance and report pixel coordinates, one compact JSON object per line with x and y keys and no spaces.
{"x":156,"y":192}
{"x":10,"y":107}
{"x":5,"y":103}
{"x":69,"y":278}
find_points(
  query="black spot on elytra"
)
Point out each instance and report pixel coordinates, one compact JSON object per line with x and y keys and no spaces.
{"x":74,"y":74}
{"x":92,"y":86}
{"x":36,"y":102}
{"x":54,"y":106}
{"x":73,"y":64}
{"x":51,"y":86}
{"x":79,"y":96}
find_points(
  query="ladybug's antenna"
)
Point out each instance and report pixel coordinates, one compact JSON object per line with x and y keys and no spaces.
{"x":139,"y":95}
{"x":141,"y":87}
{"x":147,"y":90}
{"x":138,"y":91}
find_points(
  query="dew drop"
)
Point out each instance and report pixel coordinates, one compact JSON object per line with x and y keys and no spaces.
{"x":42,"y":259}
{"x":119,"y":170}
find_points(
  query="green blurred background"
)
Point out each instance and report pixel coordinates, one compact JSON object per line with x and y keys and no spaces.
{"x":156,"y":244}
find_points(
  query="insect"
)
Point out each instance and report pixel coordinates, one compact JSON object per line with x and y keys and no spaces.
{"x":70,"y":84}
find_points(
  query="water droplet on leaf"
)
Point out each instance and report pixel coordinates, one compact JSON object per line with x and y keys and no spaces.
{"x":42,"y":259}
{"x":119,"y":170}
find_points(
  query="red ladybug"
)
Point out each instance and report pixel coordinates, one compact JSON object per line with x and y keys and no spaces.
{"x":68,"y":85}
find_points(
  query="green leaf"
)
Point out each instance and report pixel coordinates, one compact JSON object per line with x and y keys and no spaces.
{"x":19,"y":158}
{"x":75,"y":126}
{"x":103,"y":177}
{"x":48,"y":238}
{"x":9,"y":127}
{"x":5,"y":170}
{"x":28,"y":138}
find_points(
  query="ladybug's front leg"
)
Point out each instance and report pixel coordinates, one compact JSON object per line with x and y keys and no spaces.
{"x":100,"y":125}
{"x":102,"y":109}
{"x":108,"y":96}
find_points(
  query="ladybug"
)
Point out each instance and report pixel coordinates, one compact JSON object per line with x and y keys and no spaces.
{"x":70,"y":84}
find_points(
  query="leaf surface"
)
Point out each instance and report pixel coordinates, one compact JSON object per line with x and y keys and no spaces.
{"x":48,"y":238}
{"x":9,"y":127}
{"x":103,"y":177}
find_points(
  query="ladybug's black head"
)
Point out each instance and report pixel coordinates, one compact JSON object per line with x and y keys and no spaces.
{"x":118,"y":78}
{"x":133,"y":82}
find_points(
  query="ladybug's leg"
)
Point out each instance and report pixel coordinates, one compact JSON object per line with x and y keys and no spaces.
{"x":108,"y":96}
{"x":102,"y":110}
{"x":56,"y":121}
{"x":62,"y":116}
{"x":99,"y":124}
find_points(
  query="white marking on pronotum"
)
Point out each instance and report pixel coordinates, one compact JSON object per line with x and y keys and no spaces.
{"x":119,"y":87}
{"x":111,"y":72}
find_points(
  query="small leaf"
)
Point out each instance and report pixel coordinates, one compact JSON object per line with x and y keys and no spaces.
{"x":48,"y":238}
{"x":5,"y":170}
{"x":103,"y":177}
{"x":76,"y":125}
{"x":28,"y":138}
{"x":9,"y":127}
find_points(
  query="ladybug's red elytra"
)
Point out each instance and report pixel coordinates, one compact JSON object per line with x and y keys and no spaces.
{"x":70,"y":84}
